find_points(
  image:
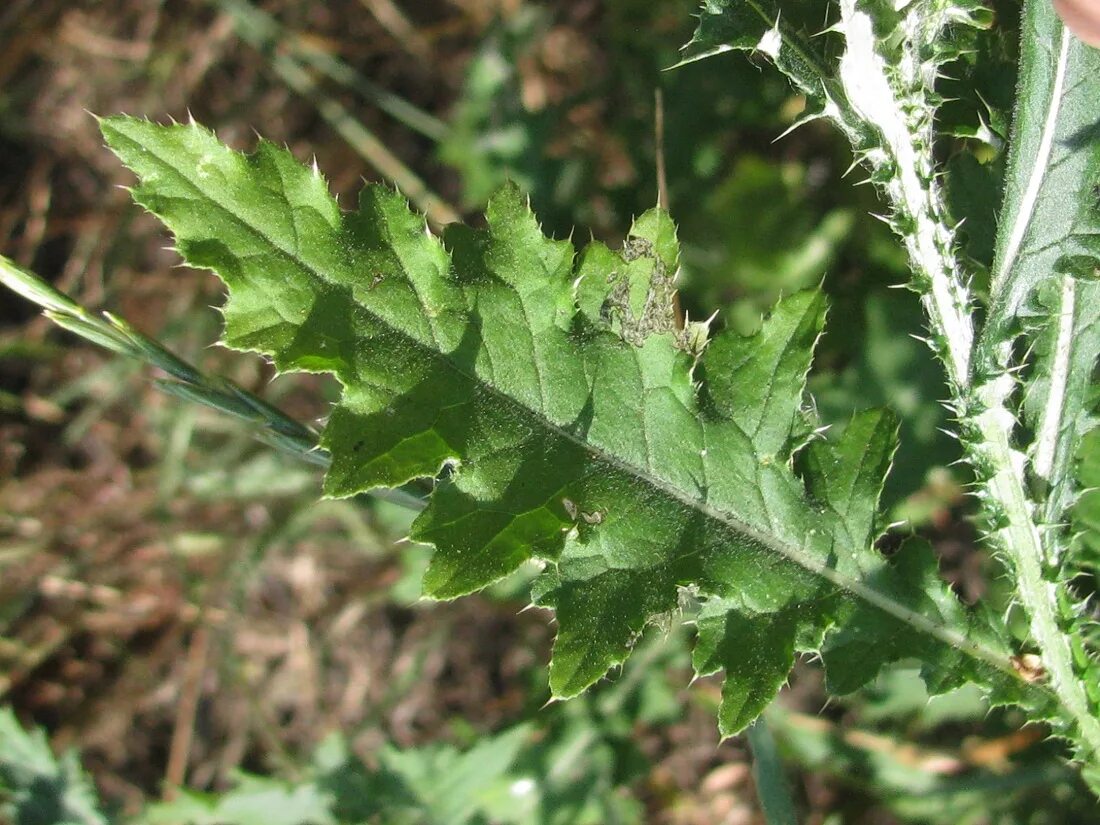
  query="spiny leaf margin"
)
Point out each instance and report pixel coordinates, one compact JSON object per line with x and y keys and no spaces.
{"x":879,"y":90}
{"x":565,"y":402}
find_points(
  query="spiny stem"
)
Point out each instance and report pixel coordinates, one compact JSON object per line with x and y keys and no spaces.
{"x":1022,"y":543}
{"x":1016,"y":515}
{"x":904,"y":122}
{"x":897,"y":102}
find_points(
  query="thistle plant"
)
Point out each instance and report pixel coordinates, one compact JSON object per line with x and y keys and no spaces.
{"x":648,"y":466}
{"x":874,"y":74}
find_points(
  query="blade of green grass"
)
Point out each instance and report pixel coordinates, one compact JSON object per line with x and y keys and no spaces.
{"x":767,"y":770}
{"x":186,"y":381}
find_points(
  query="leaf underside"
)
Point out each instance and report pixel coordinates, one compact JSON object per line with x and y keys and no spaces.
{"x":1046,"y":284}
{"x":568,"y":420}
{"x":1044,"y":324}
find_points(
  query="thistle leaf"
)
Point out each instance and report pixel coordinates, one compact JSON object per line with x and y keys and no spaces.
{"x":567,"y":419}
{"x":874,"y":74}
{"x":797,"y":39}
{"x":1046,"y":282}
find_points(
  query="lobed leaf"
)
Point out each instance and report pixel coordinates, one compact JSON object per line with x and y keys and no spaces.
{"x":568,"y":420}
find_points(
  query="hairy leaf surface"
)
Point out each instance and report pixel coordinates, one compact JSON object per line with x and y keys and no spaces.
{"x":569,"y":420}
{"x":1046,"y":288}
{"x":880,"y":89}
{"x":1046,"y":280}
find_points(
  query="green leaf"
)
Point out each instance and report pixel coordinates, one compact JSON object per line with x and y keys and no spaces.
{"x":874,"y":75}
{"x":1045,"y":302}
{"x":1045,"y":277}
{"x":254,"y":800}
{"x":430,"y":785}
{"x":568,"y":420}
{"x":38,"y":787}
{"x":796,"y":38}
{"x":847,"y":474}
{"x":784,"y":34}
{"x":1086,"y":510}
{"x":452,"y":787}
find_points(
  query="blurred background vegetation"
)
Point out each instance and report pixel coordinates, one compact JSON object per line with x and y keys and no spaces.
{"x":176,"y":608}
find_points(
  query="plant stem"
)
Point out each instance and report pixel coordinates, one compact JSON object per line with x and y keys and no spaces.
{"x":1042,"y":174}
{"x":1022,"y":543}
{"x":896,"y":101}
{"x":772,"y":788}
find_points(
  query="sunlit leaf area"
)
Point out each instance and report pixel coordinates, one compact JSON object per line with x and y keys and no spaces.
{"x":506,"y":412}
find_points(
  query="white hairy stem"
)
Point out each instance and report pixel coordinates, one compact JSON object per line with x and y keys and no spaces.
{"x":1022,"y":542}
{"x":896,"y":101}
{"x":912,"y":186}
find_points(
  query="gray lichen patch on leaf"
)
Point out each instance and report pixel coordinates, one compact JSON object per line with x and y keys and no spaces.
{"x":641,"y":298}
{"x":641,"y":293}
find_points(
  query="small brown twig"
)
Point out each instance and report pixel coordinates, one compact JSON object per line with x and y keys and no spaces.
{"x":183,"y":731}
{"x":659,"y":130}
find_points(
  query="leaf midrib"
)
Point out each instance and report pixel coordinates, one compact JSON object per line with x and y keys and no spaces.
{"x":768,"y":540}
{"x":1026,"y":208}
